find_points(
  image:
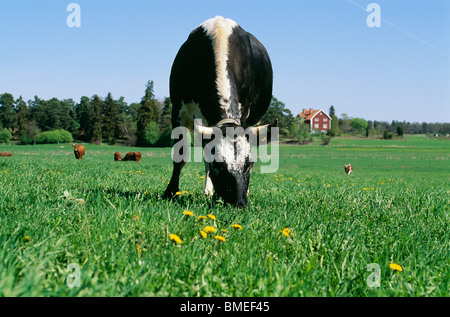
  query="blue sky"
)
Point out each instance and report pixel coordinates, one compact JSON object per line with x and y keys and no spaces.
{"x":323,"y":53}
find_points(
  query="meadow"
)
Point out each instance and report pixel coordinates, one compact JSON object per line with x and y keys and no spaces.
{"x":109,"y":219}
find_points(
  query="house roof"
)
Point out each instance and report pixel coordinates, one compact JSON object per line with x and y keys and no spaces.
{"x":311,"y":113}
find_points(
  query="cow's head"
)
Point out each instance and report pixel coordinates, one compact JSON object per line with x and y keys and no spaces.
{"x":228,"y":147}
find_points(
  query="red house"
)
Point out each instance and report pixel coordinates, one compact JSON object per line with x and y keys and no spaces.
{"x":318,"y":120}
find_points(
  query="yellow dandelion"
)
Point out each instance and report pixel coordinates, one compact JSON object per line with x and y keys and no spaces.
{"x":237,"y":227}
{"x":175,"y":238}
{"x":224,"y":230}
{"x":138,"y":249}
{"x":135,"y":218}
{"x":395,"y":267}
{"x":212,"y":217}
{"x":210,"y":229}
{"x":201,"y":218}
{"x":27,"y":238}
{"x":203,"y":234}
{"x":179,"y":193}
{"x":203,"y":177}
{"x":185,"y":192}
{"x":188,"y":213}
{"x":286,"y":232}
{"x":220,"y":238}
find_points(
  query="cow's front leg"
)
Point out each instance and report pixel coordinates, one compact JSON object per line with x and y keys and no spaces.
{"x":180,"y":158}
{"x":174,"y":185}
{"x":208,"y":182}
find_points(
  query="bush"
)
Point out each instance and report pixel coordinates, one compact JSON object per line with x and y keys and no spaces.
{"x":25,"y":139}
{"x":151,"y":134}
{"x":56,"y":136}
{"x":326,"y":139}
{"x":5,"y":136}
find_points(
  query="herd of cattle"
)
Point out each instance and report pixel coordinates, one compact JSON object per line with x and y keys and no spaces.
{"x":80,"y":150}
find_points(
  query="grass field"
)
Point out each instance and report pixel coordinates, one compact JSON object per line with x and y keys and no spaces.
{"x":108,"y":218}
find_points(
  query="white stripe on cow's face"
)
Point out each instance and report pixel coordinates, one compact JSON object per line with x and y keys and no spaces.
{"x":219,"y":30}
{"x":234,"y":153}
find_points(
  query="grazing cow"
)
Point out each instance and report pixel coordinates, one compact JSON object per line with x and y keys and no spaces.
{"x":79,"y":151}
{"x":132,"y":156}
{"x":223,"y":76}
{"x":5,"y":154}
{"x":348,"y":169}
{"x":117,"y":156}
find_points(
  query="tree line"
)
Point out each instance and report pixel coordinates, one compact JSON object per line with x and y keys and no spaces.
{"x":148,"y":122}
{"x":92,"y":119}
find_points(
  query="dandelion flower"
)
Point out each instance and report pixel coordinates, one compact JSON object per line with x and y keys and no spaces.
{"x":27,"y":238}
{"x":236,"y":226}
{"x":138,"y":249}
{"x":135,"y":218}
{"x":286,"y":232}
{"x":175,"y":238}
{"x":188,"y":213}
{"x":220,"y":238}
{"x":201,"y":218}
{"x":210,"y":229}
{"x":212,"y":217}
{"x":395,"y":267}
{"x":185,"y":192}
{"x":203,"y":234}
{"x":179,"y":193}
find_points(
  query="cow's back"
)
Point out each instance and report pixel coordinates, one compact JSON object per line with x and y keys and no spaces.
{"x":220,"y":72}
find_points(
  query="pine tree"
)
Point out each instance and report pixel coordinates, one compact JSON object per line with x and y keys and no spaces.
{"x":110,"y":119}
{"x":22,"y":116}
{"x":83,"y":114}
{"x":95,"y":128}
{"x":148,"y":112}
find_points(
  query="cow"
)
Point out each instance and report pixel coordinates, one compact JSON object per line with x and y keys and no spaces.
{"x":132,"y":156}
{"x":79,"y":151}
{"x":117,"y":156}
{"x":222,"y":75}
{"x":348,"y":169}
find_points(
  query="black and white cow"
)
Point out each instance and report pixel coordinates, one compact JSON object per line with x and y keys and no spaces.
{"x":223,"y":76}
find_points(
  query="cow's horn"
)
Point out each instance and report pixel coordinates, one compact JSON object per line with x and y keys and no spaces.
{"x":201,"y":129}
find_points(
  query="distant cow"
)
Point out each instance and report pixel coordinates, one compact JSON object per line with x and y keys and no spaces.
{"x":132,"y":156}
{"x":348,"y":169}
{"x":117,"y":156}
{"x":5,"y":154}
{"x":79,"y":151}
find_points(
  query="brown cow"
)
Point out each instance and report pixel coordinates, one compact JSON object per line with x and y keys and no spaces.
{"x":132,"y":156}
{"x":117,"y":156}
{"x":5,"y":154}
{"x":348,"y":169}
{"x":79,"y":151}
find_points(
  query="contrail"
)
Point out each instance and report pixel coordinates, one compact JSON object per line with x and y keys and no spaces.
{"x":404,"y":31}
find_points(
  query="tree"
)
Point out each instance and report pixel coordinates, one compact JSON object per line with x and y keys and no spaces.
{"x":332,"y":112}
{"x":359,"y":125}
{"x":400,"y":131}
{"x":22,"y":116}
{"x":110,"y":120}
{"x":95,"y":130}
{"x":7,"y":112}
{"x":83,"y":113}
{"x":277,"y":110}
{"x":334,"y":128}
{"x":344,"y":123}
{"x":148,"y":112}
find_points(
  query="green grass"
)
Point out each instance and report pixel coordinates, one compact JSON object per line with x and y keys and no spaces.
{"x":392,"y":209}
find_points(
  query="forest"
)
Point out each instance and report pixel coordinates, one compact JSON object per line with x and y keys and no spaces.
{"x":147,"y":123}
